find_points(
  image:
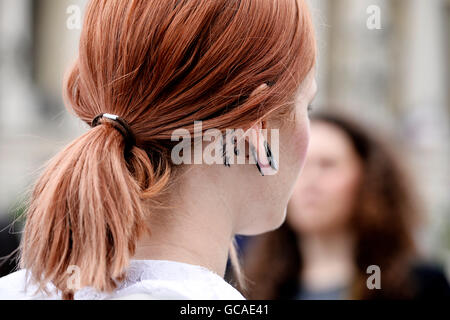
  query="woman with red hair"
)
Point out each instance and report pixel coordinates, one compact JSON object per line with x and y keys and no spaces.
{"x":112,"y":215}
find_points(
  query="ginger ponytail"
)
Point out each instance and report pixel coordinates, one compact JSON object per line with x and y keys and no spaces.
{"x":87,"y":212}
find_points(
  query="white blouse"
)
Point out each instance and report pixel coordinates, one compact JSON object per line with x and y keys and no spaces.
{"x":145,"y":279}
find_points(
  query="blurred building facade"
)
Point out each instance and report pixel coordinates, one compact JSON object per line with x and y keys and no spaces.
{"x":396,"y":78}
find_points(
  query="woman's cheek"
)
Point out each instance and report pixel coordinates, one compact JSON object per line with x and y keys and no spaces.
{"x":301,"y":139}
{"x":294,"y":142}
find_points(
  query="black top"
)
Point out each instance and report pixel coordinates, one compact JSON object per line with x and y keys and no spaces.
{"x":8,"y":243}
{"x":431,"y":282}
{"x":428,"y":281}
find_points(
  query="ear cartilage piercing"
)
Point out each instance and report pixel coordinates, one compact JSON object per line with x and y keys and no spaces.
{"x":255,"y":156}
{"x":236,"y":150}
{"x":272,"y":162}
{"x":226,"y":159}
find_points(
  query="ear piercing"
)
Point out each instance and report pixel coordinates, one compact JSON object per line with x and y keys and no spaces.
{"x":272,"y":162}
{"x":255,"y":157}
{"x":270,"y":158}
{"x":236,"y":150}
{"x":226,"y":159}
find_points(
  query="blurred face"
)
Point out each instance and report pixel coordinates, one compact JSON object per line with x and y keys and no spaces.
{"x":267,"y":197}
{"x":324,"y":196}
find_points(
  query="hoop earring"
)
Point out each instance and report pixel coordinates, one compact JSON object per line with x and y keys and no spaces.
{"x":272,"y":162}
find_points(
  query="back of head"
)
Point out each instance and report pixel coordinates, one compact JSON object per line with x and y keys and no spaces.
{"x":160,"y":65}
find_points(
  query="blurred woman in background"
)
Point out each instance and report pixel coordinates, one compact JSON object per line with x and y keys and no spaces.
{"x":352,"y":208}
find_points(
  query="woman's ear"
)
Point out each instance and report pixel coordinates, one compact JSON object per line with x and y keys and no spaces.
{"x":260,"y":152}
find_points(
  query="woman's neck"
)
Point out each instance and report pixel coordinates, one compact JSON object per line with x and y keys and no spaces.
{"x":327,"y":260}
{"x":196,"y":229}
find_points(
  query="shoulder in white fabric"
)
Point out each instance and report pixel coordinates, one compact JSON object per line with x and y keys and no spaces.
{"x":15,"y":287}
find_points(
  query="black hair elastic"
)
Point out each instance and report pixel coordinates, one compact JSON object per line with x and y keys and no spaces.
{"x":121,"y":125}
